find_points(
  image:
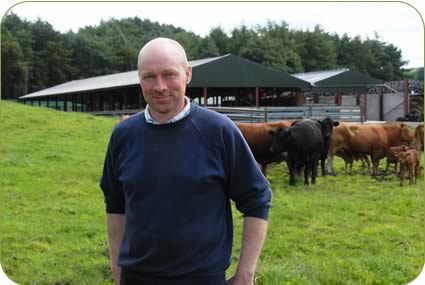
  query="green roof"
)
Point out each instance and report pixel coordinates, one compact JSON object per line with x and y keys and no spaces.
{"x":234,"y":71}
{"x":224,"y":71}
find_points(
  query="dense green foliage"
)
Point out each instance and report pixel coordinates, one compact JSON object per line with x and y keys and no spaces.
{"x":344,"y":230}
{"x":35,"y":56}
{"x":414,"y":73}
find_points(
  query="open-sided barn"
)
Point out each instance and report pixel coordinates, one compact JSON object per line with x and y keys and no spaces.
{"x":232,"y":81}
{"x":227,"y":80}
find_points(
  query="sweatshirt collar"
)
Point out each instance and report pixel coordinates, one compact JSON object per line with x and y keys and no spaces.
{"x":183,"y":113}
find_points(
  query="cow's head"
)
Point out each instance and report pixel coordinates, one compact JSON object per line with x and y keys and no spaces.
{"x":406,"y":135}
{"x":326,"y":125}
{"x":280,"y":140}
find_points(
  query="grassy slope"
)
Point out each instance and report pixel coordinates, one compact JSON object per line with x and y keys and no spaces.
{"x":52,"y":214}
{"x":344,"y":230}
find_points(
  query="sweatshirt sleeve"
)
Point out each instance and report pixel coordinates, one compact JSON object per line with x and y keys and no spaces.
{"x":110,"y":184}
{"x":247,"y":186}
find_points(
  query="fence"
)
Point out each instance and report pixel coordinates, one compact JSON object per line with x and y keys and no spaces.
{"x":268,"y":114}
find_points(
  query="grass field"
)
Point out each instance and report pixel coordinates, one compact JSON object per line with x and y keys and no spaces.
{"x":343,"y":230}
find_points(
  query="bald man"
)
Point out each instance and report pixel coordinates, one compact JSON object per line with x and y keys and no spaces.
{"x":169,"y":175}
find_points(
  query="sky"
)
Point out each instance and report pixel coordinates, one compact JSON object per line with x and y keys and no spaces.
{"x":396,"y":23}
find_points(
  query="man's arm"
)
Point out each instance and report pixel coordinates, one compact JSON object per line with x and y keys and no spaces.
{"x":115,"y":224}
{"x":253,"y":236}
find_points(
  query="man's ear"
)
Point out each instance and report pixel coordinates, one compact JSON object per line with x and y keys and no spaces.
{"x":188,"y":74}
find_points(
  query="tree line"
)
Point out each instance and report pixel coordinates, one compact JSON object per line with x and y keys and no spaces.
{"x":35,"y":56}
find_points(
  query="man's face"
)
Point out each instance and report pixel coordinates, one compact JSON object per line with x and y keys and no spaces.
{"x":163,"y":78}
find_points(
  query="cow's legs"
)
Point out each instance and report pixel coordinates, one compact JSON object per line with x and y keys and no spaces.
{"x":331,"y":169}
{"x":387,"y":167}
{"x":292,"y":168}
{"x":365,"y":161}
{"x":306,"y":171}
{"x":322,"y":164}
{"x":315,"y":165}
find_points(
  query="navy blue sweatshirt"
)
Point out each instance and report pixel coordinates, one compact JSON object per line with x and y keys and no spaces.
{"x":174,"y":183}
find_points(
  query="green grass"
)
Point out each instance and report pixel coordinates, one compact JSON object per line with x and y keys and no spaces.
{"x":343,"y":230}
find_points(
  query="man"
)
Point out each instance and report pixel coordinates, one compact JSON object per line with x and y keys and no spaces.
{"x":168,"y":178}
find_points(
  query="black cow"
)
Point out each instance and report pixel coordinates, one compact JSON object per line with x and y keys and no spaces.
{"x":326,"y":126}
{"x":304,"y":144}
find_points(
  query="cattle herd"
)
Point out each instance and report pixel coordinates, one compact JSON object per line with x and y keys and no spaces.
{"x":305,"y":143}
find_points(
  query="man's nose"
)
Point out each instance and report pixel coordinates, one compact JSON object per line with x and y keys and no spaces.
{"x":160,"y":84}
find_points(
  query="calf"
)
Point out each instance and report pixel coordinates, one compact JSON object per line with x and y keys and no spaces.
{"x":392,"y":156}
{"x":304,"y":144}
{"x":350,"y":157}
{"x":409,"y":165}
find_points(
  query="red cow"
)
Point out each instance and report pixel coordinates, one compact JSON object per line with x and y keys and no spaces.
{"x":419,"y":138}
{"x":259,"y":140}
{"x":373,"y":139}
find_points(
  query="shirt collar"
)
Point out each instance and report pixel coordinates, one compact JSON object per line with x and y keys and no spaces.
{"x":183,"y":113}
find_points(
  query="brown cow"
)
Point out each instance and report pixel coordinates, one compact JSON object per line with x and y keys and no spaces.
{"x":419,"y":138}
{"x":409,"y":165}
{"x":373,"y":139}
{"x":259,"y":140}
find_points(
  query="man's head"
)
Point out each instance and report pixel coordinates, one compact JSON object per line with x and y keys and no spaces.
{"x":164,"y":73}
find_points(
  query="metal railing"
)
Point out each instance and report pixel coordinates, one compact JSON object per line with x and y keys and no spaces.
{"x":268,"y":114}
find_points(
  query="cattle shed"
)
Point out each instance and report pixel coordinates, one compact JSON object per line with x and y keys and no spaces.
{"x":338,"y":81}
{"x":227,"y":80}
{"x":339,"y":87}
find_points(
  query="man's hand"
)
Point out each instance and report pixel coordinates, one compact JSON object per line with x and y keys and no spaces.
{"x":237,"y":280}
{"x":253,"y":236}
{"x":116,"y":274}
{"x":115,"y":224}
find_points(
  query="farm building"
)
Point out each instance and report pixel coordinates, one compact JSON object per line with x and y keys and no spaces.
{"x":232,"y":81}
{"x":379,"y":101}
{"x":220,"y":81}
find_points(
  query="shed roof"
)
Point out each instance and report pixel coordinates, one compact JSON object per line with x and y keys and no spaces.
{"x":344,"y":79}
{"x":223,"y":71}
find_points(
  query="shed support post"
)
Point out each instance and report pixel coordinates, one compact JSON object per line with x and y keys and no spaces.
{"x":125,"y":103}
{"x":257,"y":97}
{"x":82,"y":102}
{"x":381,"y":103}
{"x":365,"y":106}
{"x":338,"y":98}
{"x":205,"y":96}
{"x":65,"y":104}
{"x":406,"y":96}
